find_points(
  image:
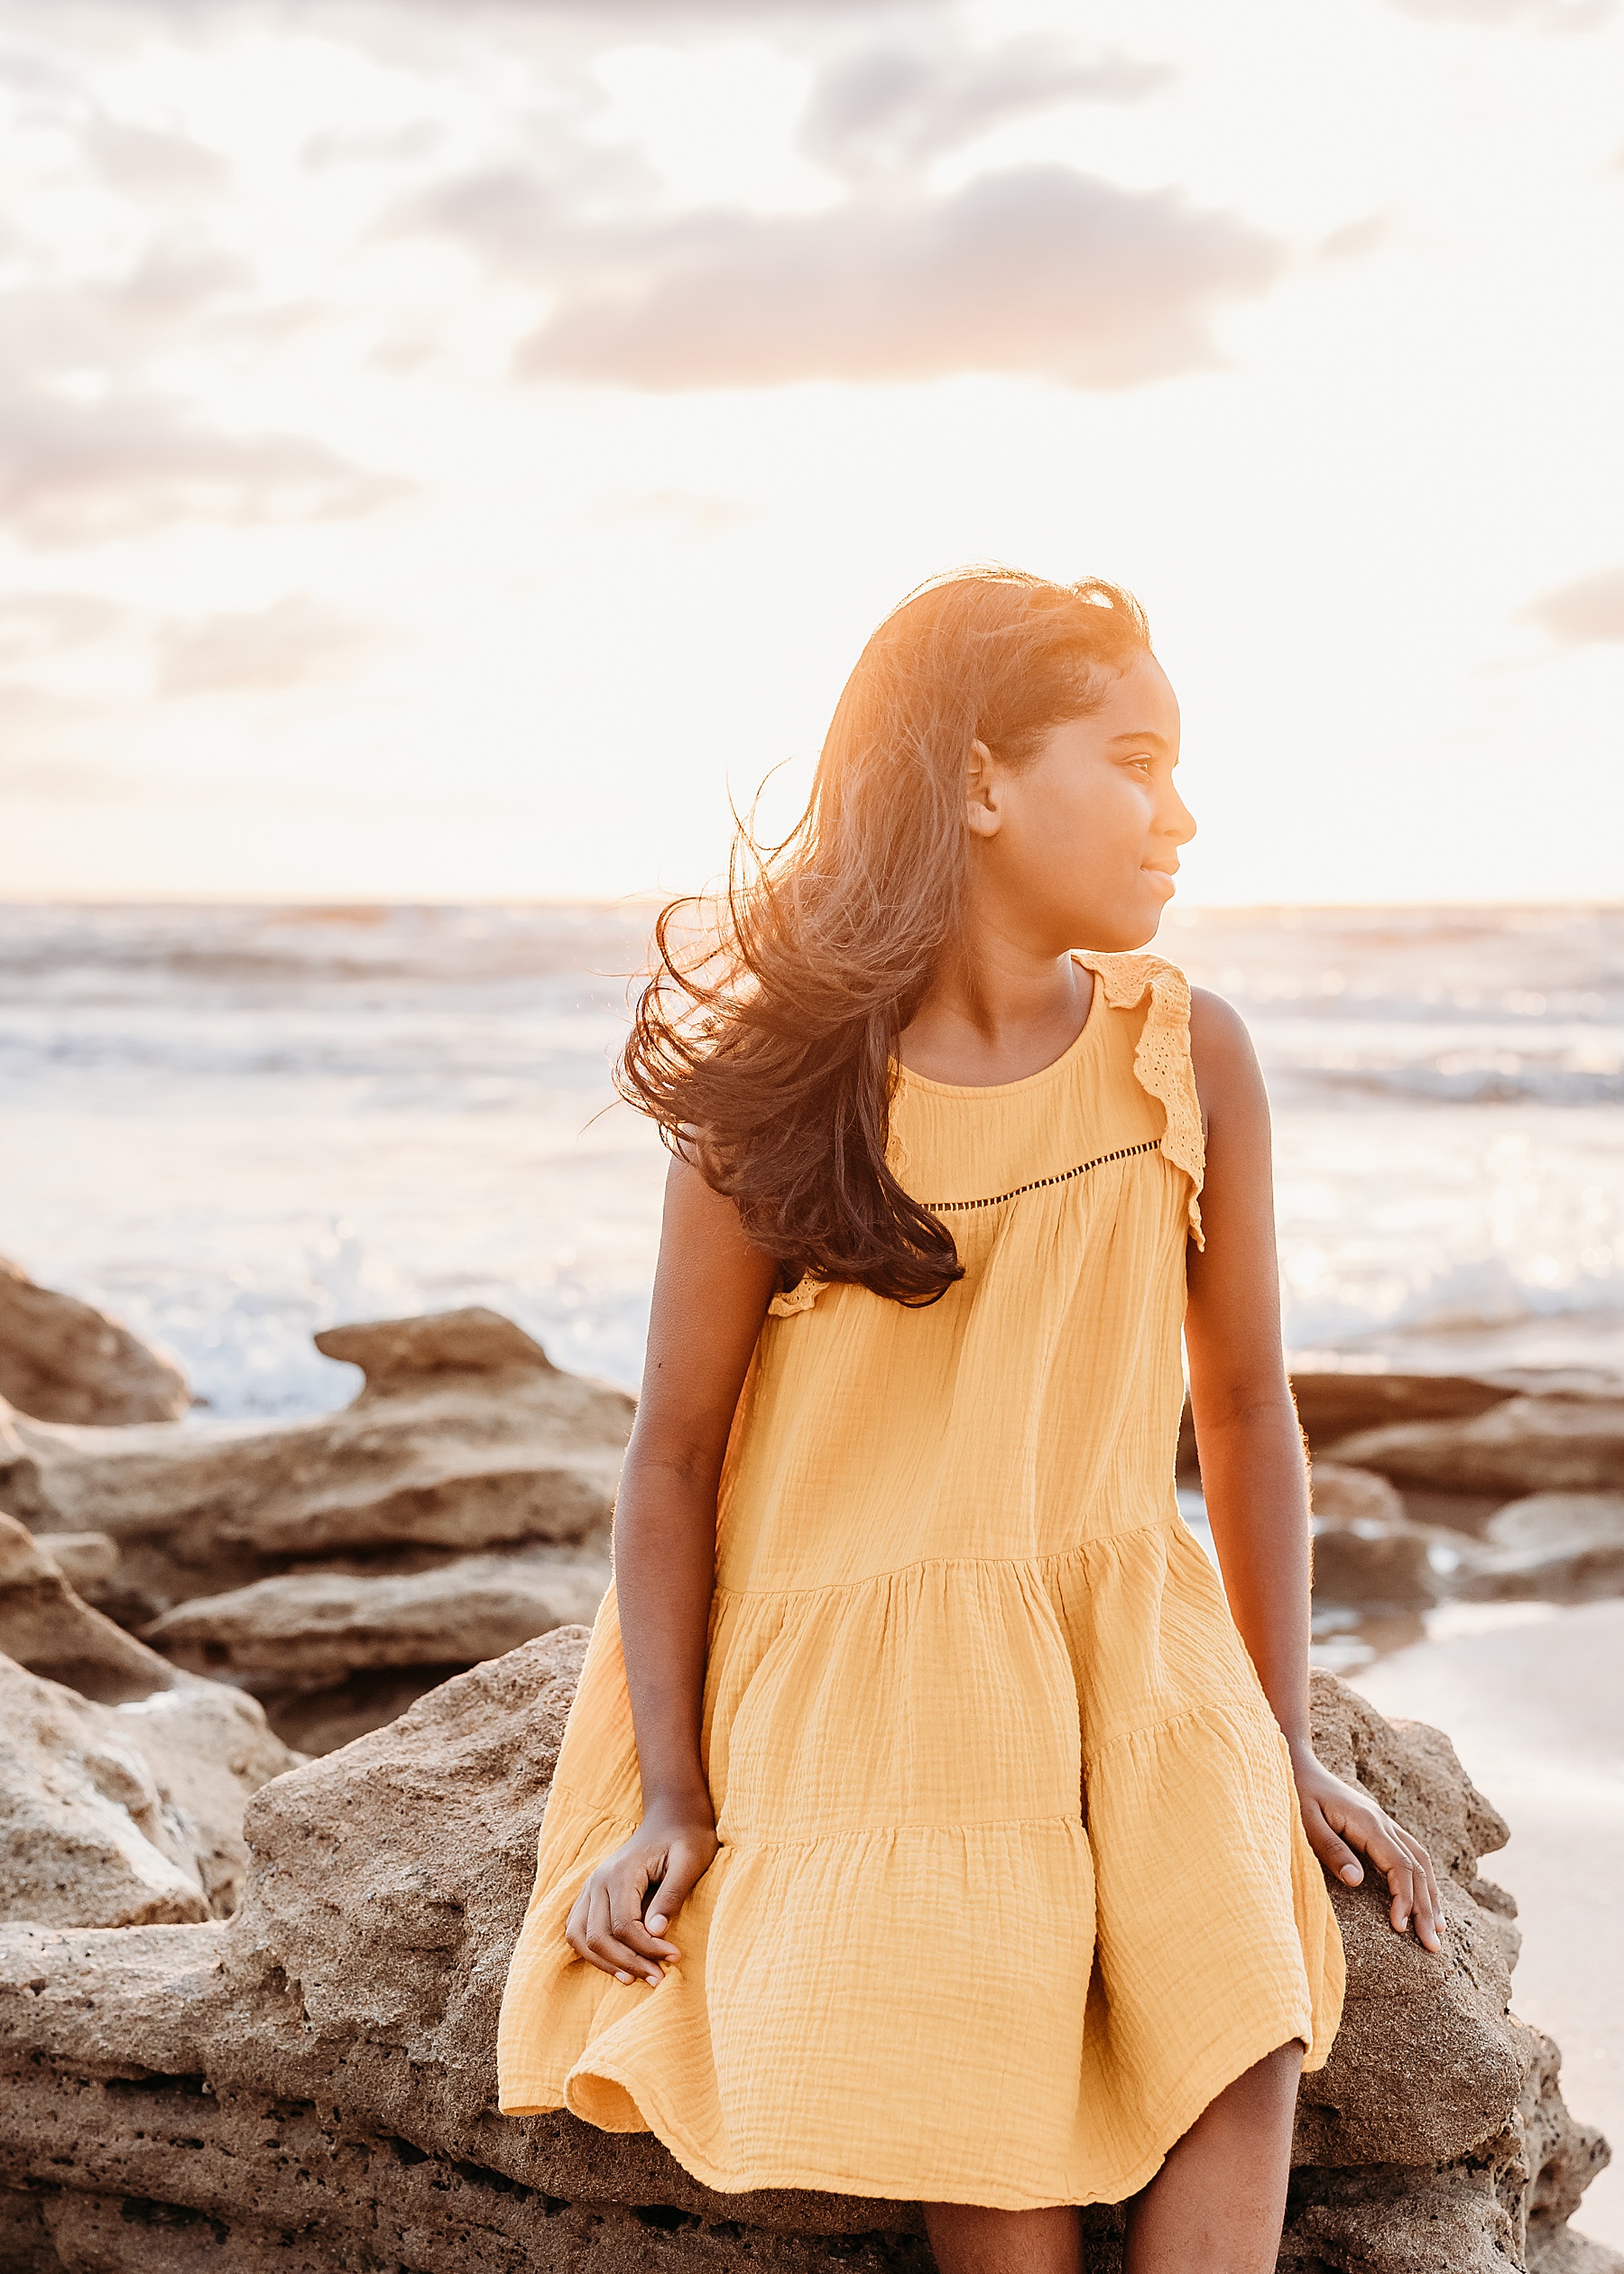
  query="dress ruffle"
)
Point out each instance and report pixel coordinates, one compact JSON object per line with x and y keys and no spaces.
{"x":1161,"y":1059}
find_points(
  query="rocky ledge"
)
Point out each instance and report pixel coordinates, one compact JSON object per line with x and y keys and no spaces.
{"x":335,"y":1568}
{"x":307,"y":2088}
{"x":266,"y":2039}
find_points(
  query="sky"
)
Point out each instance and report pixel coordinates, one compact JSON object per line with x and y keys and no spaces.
{"x":449,"y":449}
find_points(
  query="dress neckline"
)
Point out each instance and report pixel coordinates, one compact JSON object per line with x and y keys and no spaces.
{"x":1048,"y":1073}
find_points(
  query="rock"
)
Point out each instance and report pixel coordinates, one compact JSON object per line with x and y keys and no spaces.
{"x":1370,"y":1565}
{"x":1523,"y":1445}
{"x":83,"y":1558}
{"x":130,"y":1814}
{"x":320,"y":1721}
{"x":1435,"y":2136}
{"x":315,"y":1628}
{"x":1345,"y":1495}
{"x":1570,"y":2252}
{"x":307,"y":2088}
{"x":1367,"y":1554}
{"x":45,"y":1626}
{"x":62,"y":1361}
{"x":465,"y":1437}
{"x":1330,"y":1406}
{"x":1565,"y":1545}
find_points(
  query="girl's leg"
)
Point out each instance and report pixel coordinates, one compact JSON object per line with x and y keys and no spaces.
{"x":969,"y":2240}
{"x":1218,"y":2201}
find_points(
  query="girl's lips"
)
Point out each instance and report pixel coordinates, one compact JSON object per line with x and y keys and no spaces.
{"x":1163,"y":877}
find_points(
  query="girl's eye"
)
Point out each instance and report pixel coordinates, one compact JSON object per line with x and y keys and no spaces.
{"x":1141,"y":761}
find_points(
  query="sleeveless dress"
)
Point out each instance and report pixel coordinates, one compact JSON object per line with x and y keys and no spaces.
{"x":1012,"y":1881}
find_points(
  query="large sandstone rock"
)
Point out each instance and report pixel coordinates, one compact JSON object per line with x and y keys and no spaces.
{"x":62,"y":1361}
{"x":1520,"y":1446}
{"x":313,"y":1629}
{"x":130,"y":1814}
{"x":46,"y":1627}
{"x":309,"y":2086}
{"x":464,"y":1436}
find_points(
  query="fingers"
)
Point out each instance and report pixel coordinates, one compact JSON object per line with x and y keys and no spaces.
{"x":684,"y":1867}
{"x":1331,"y":1848}
{"x":605,"y":1927}
{"x":1405,"y":1865}
{"x":607,"y":1944}
{"x":1429,"y":1903}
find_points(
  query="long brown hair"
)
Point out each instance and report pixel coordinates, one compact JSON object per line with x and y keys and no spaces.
{"x":763,"y":1043}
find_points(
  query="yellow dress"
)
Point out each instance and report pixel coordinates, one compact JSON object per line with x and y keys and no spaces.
{"x":1012,"y":1880}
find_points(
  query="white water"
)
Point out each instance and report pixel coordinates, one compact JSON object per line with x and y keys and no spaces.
{"x":235,"y":1126}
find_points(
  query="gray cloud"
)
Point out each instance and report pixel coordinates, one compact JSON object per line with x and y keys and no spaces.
{"x":295,"y":642}
{"x":895,"y":106}
{"x":120,"y":464}
{"x":1587,"y":612}
{"x":1039,"y":270}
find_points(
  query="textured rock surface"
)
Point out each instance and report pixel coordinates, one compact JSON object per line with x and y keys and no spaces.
{"x":309,"y":2085}
{"x":128,"y":1814}
{"x":1521,"y":1444}
{"x":62,"y":1361}
{"x":45,"y":1627}
{"x":315,"y":1628}
{"x":464,"y":1436}
{"x":83,"y":1558}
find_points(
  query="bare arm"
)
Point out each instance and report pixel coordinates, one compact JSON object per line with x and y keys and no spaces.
{"x":711,"y":1292}
{"x":1252,"y":1468}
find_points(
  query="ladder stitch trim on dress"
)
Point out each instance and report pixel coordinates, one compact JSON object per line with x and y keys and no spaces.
{"x":1125,"y":1152}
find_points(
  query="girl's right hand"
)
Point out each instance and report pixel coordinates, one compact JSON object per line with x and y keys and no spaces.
{"x":620,"y":1917}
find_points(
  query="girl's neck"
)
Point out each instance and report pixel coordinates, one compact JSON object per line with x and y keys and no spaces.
{"x":996,"y":1013}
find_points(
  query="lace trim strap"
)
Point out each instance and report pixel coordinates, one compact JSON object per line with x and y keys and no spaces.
{"x":1162,"y":1058}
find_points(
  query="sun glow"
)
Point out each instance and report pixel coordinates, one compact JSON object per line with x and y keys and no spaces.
{"x":444,"y":453}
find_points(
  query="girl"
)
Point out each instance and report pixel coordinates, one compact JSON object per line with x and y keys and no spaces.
{"x":928,"y":1826}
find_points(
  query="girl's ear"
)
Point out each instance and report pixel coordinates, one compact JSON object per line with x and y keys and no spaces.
{"x":981,"y":797}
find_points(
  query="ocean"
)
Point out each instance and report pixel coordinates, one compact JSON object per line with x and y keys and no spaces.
{"x":233,"y":1125}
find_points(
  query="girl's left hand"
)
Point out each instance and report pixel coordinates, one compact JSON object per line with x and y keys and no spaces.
{"x":1338,"y":1818}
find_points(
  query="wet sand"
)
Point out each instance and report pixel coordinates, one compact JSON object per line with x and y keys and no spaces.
{"x":1537,"y":1713}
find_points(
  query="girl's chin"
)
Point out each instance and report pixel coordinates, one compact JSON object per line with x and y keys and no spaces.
{"x":1122,"y":937}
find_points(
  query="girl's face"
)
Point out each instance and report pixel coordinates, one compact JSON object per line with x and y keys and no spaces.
{"x":1079,"y":848}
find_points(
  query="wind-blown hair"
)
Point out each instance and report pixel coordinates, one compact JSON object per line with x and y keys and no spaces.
{"x":763,"y":1043}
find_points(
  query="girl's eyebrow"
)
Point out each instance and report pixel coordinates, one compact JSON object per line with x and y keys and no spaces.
{"x":1142,"y":734}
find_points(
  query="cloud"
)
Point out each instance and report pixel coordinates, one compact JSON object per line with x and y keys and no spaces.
{"x":145,"y":161}
{"x":36,"y":624}
{"x":1039,"y":270}
{"x":690,"y":515}
{"x":295,"y":642}
{"x":82,"y":471}
{"x":887,"y":106}
{"x":1357,"y":240}
{"x":1513,"y":15}
{"x":1587,"y":612}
